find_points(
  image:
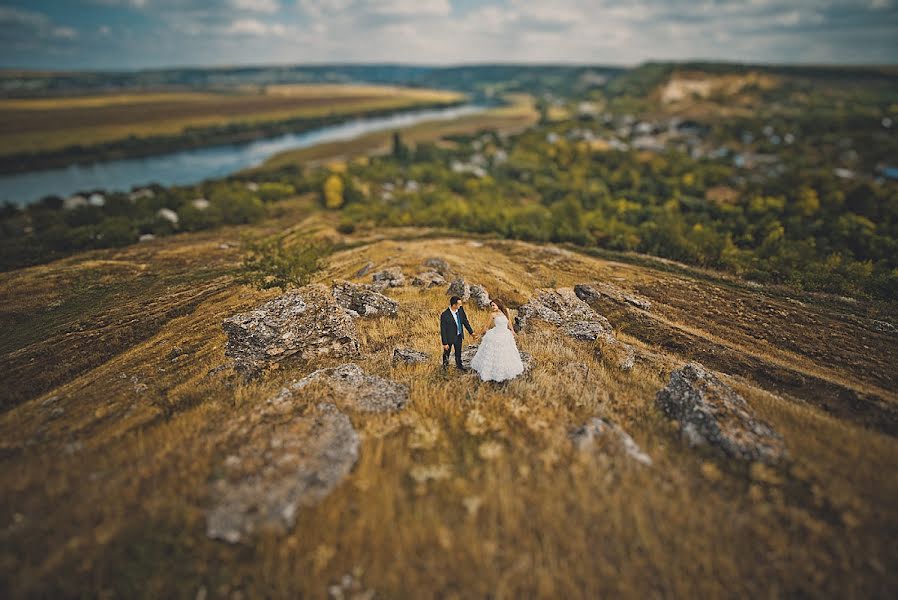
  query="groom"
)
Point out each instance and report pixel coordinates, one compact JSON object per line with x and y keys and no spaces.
{"x":453,"y":323}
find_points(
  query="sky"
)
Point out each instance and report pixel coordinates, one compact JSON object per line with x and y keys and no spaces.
{"x":135,"y":34}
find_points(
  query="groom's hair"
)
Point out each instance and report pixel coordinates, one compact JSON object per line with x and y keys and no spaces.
{"x":454,"y":300}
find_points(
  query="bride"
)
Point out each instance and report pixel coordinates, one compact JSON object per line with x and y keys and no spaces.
{"x":497,"y":358}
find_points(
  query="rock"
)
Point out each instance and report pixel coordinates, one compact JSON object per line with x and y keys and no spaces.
{"x":305,"y":323}
{"x":428,"y":279}
{"x":391,"y":277}
{"x":467,"y":355}
{"x":564,"y":309}
{"x":363,"y":300}
{"x":459,"y":288}
{"x":597,"y":430}
{"x":579,"y":321}
{"x":885,"y":327}
{"x":353,"y":388}
{"x":611,"y":349}
{"x":437,"y":264}
{"x":366,"y":268}
{"x":711,"y":412}
{"x":599,"y":291}
{"x":409,"y":356}
{"x":280,"y":467}
{"x":167,"y":214}
{"x":480,"y":296}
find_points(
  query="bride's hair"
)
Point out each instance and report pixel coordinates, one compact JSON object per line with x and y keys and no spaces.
{"x":502,"y":307}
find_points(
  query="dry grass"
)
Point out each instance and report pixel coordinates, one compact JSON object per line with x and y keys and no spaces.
{"x":48,"y":124}
{"x":472,"y":491}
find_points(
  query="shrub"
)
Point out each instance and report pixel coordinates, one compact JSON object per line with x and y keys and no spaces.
{"x":333,"y":192}
{"x":270,"y":264}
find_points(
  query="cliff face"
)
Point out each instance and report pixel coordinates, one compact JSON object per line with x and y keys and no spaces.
{"x":134,"y":453}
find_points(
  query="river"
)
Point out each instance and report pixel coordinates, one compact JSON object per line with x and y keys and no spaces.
{"x":193,"y":166}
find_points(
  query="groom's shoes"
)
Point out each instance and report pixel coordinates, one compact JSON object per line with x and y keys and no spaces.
{"x":463,"y":369}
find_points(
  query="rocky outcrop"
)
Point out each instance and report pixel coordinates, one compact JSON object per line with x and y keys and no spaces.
{"x":304,"y":324}
{"x":711,"y":413}
{"x":363,"y":300}
{"x":467,"y":355}
{"x":480,"y":296}
{"x":350,"y":387}
{"x":598,"y":432}
{"x":600,"y":291}
{"x":428,"y":279}
{"x":391,"y":277}
{"x":409,"y":356}
{"x":284,"y":462}
{"x":611,"y":350}
{"x":459,"y":288}
{"x":885,"y":327}
{"x":579,"y":321}
{"x":564,"y":309}
{"x":437,"y":264}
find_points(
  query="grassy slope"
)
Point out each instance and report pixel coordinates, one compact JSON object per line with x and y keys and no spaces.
{"x":48,"y":124}
{"x":109,"y":493}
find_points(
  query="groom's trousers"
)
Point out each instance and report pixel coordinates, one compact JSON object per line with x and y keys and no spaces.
{"x":457,"y":345}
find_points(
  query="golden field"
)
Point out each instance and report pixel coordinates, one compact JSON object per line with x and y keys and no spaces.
{"x":35,"y":125}
{"x":110,"y":437}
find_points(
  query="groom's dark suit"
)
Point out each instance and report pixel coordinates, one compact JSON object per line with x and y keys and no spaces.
{"x":452,"y":332}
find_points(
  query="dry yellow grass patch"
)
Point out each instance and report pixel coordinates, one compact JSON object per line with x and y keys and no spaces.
{"x":473,"y":491}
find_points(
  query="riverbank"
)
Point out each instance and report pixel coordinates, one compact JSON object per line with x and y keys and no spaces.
{"x":42,"y":134}
{"x":517,"y":114}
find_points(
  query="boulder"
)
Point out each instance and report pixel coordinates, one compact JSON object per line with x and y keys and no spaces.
{"x":480,"y":296}
{"x":600,"y":291}
{"x":711,"y":413}
{"x":612,"y":350}
{"x":885,"y":327}
{"x":283,"y":463}
{"x":363,"y":300}
{"x":597,"y":431}
{"x":391,"y":277}
{"x":437,"y":264}
{"x":459,"y":288}
{"x":564,"y":309}
{"x":305,"y":324}
{"x":352,"y":388}
{"x":428,"y":279}
{"x":467,"y":355}
{"x":409,"y":356}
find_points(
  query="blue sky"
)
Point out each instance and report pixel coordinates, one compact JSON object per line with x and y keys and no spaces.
{"x":127,"y":34}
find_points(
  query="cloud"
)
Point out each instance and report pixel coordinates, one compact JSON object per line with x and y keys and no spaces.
{"x":166,"y":32}
{"x":27,"y":29}
{"x":255,"y":27}
{"x":259,"y":6}
{"x":408,"y":8}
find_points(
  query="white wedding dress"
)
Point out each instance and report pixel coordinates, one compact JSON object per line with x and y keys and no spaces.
{"x":497,"y":358}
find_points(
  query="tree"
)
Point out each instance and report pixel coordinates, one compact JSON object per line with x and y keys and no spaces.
{"x":333,"y":192}
{"x":400,"y":150}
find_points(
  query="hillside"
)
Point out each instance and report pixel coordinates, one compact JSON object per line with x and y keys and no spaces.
{"x":122,"y":417}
